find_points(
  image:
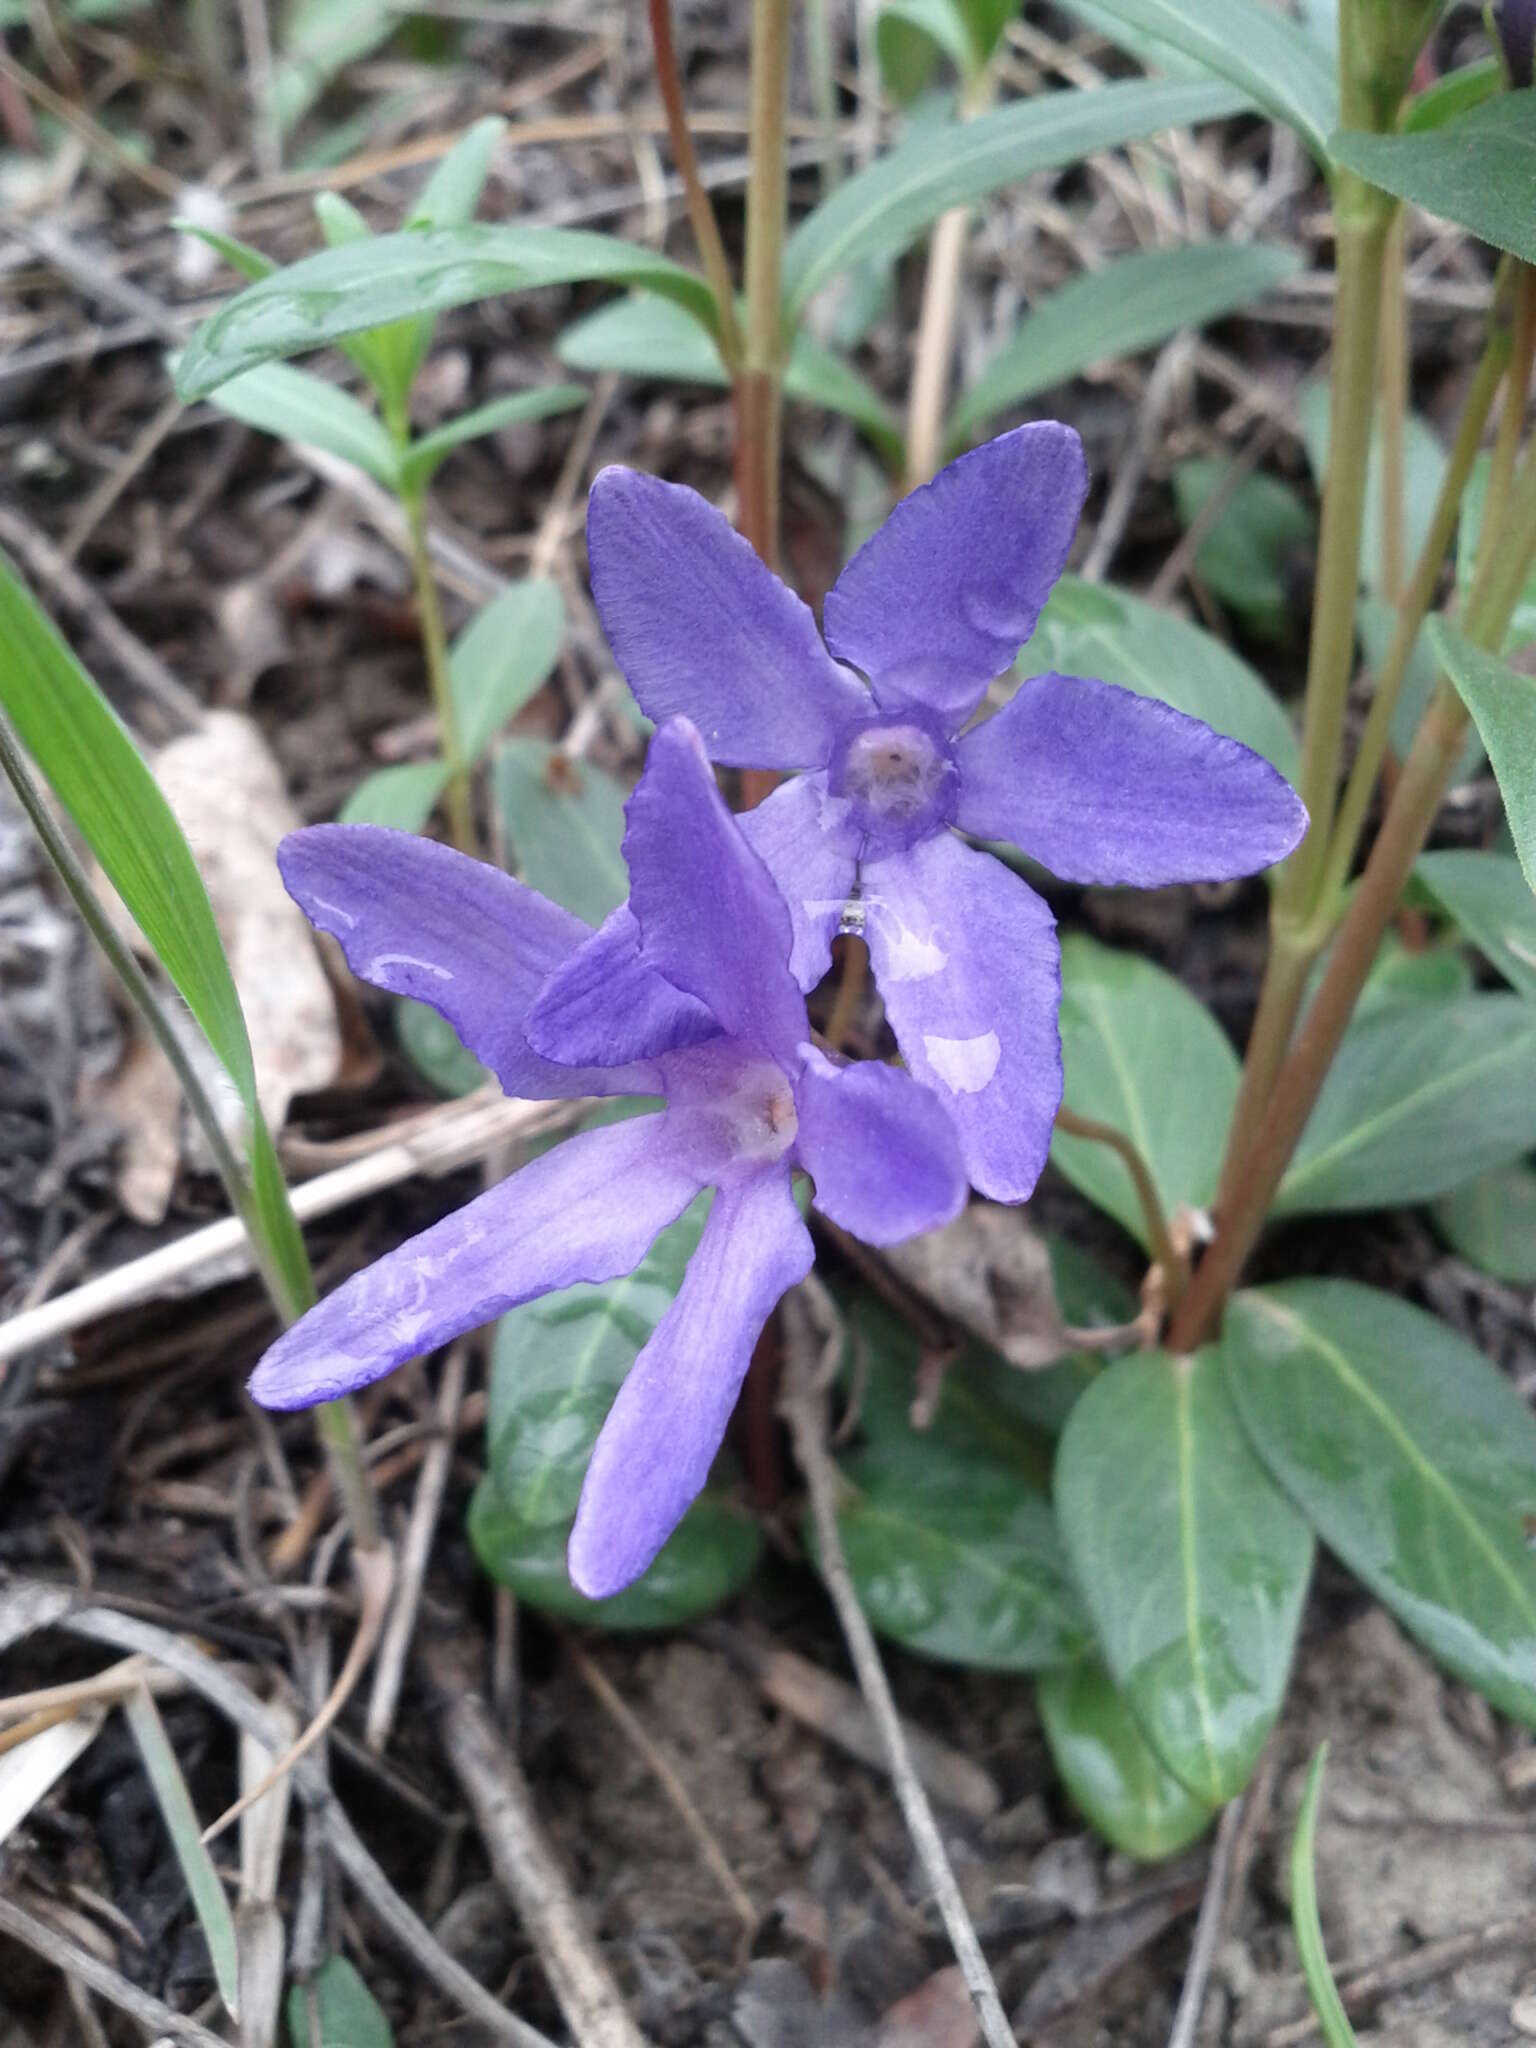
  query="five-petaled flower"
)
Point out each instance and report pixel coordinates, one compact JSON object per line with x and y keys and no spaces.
{"x":686,"y":993}
{"x":1097,"y":783}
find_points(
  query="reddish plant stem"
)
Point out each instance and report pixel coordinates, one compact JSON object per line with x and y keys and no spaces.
{"x":701,"y":212}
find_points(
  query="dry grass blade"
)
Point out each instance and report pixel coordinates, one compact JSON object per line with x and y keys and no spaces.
{"x":176,"y":1810}
{"x":30,"y":1771}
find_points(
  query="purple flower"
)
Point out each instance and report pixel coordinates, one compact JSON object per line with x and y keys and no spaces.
{"x":1099,"y":784}
{"x":685,"y":993}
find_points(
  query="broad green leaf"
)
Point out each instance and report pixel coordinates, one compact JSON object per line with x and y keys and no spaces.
{"x":565,"y":820}
{"x":948,"y":1531}
{"x":1253,"y":46}
{"x":1193,"y":1565}
{"x":884,"y":207}
{"x":1423,"y":468}
{"x":1133,"y":303}
{"x":347,"y":2014}
{"x":1491,"y":1223}
{"x":1413,"y":975}
{"x":909,"y":36}
{"x":338,"y":292}
{"x":97,"y":774}
{"x":1412,"y":1457}
{"x":1421,"y":1098}
{"x":402,"y":796}
{"x":1332,"y":2020}
{"x":643,"y":336}
{"x":503,"y":657}
{"x":295,"y":406}
{"x":381,"y":353}
{"x":1522,"y":624}
{"x":1143,"y":1055}
{"x":1503,"y":705}
{"x":1478,"y":169}
{"x":706,"y":1561}
{"x":435,"y":1050}
{"x":182,"y":1825}
{"x":1265,"y":528}
{"x":1111,"y":1775}
{"x":1151,"y":52}
{"x":420,"y":462}
{"x":1489,"y":898}
{"x":1089,"y":629}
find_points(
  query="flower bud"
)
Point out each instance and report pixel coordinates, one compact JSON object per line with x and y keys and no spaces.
{"x":1515,"y":22}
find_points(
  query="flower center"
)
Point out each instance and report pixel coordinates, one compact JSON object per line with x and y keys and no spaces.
{"x":900,"y":780}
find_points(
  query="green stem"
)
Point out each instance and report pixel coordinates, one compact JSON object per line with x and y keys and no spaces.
{"x":1394,"y":409}
{"x":1175,"y":1267}
{"x":434,"y":641}
{"x":334,"y":1421}
{"x":818,"y":25}
{"x":758,"y":384}
{"x":1512,"y":419}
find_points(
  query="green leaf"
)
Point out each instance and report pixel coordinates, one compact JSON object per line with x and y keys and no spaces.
{"x":1491,"y":1223}
{"x":1332,"y":2020}
{"x":338,"y":292}
{"x":884,"y":207}
{"x":503,"y":658}
{"x":644,"y":336}
{"x":1143,"y":1055}
{"x":1089,"y":629}
{"x":1411,"y":974}
{"x":1503,"y":704}
{"x":346,"y":2013}
{"x":1445,"y":97}
{"x":421,"y":460}
{"x":1522,"y":624}
{"x":1133,"y":303}
{"x":1377,"y":626}
{"x":452,"y":192}
{"x":384,"y":354}
{"x":1478,"y":169}
{"x":1111,"y":1775}
{"x":240,"y":256}
{"x":556,"y":1365}
{"x":1420,"y":1099}
{"x":293,"y":405}
{"x":1254,"y":47}
{"x":320,"y":38}
{"x":1489,"y":898}
{"x":1192,"y":1564}
{"x":185,"y":1831}
{"x":1413,"y":1458}
{"x":565,"y":820}
{"x":910,"y":35}
{"x":948,"y":1531}
{"x":402,"y":796}
{"x":1423,"y":468}
{"x":1247,"y":557}
{"x":434,"y":1049}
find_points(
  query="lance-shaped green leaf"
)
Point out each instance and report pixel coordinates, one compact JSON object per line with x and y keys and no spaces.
{"x":339,"y":292}
{"x":1143,"y":1055}
{"x":1191,"y":1561}
{"x":565,"y":820}
{"x":1133,"y":303}
{"x":884,"y":207}
{"x":295,"y":406}
{"x":1503,"y":706}
{"x":1469,"y":531}
{"x":1250,"y":554}
{"x":1489,"y":898}
{"x":1253,"y":46}
{"x":1111,"y":1776}
{"x":1088,"y":629}
{"x":1420,"y":1099}
{"x":1412,"y":1457}
{"x":1423,"y":468}
{"x":420,"y":461}
{"x":99,"y":777}
{"x":644,"y":336}
{"x":1478,"y":169}
{"x":402,"y":796}
{"x":319,"y":39}
{"x":346,"y":2013}
{"x":1491,"y":1223}
{"x":948,"y":1530}
{"x":909,"y":36}
{"x":1332,"y":2020}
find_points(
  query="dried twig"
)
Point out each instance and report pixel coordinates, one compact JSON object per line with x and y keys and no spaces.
{"x":804,"y":1409}
{"x":1209,"y":1927}
{"x":524,"y":1863}
{"x":80,"y":1966}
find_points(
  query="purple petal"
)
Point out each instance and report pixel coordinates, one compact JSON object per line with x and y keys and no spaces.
{"x":802,"y":835}
{"x":881,"y":1149}
{"x":704,"y":630}
{"x":943,"y":596}
{"x":710,"y":918}
{"x":424,"y":921}
{"x":966,"y":958}
{"x":664,"y":1429}
{"x":588,"y":1210}
{"x":606,"y":1006}
{"x":1103,"y":785}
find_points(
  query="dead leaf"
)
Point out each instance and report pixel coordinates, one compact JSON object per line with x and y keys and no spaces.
{"x":938,"y":2014}
{"x":991,"y":1274}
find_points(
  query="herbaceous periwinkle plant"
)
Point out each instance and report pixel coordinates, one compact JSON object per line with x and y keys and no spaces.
{"x":1158,"y":1595}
